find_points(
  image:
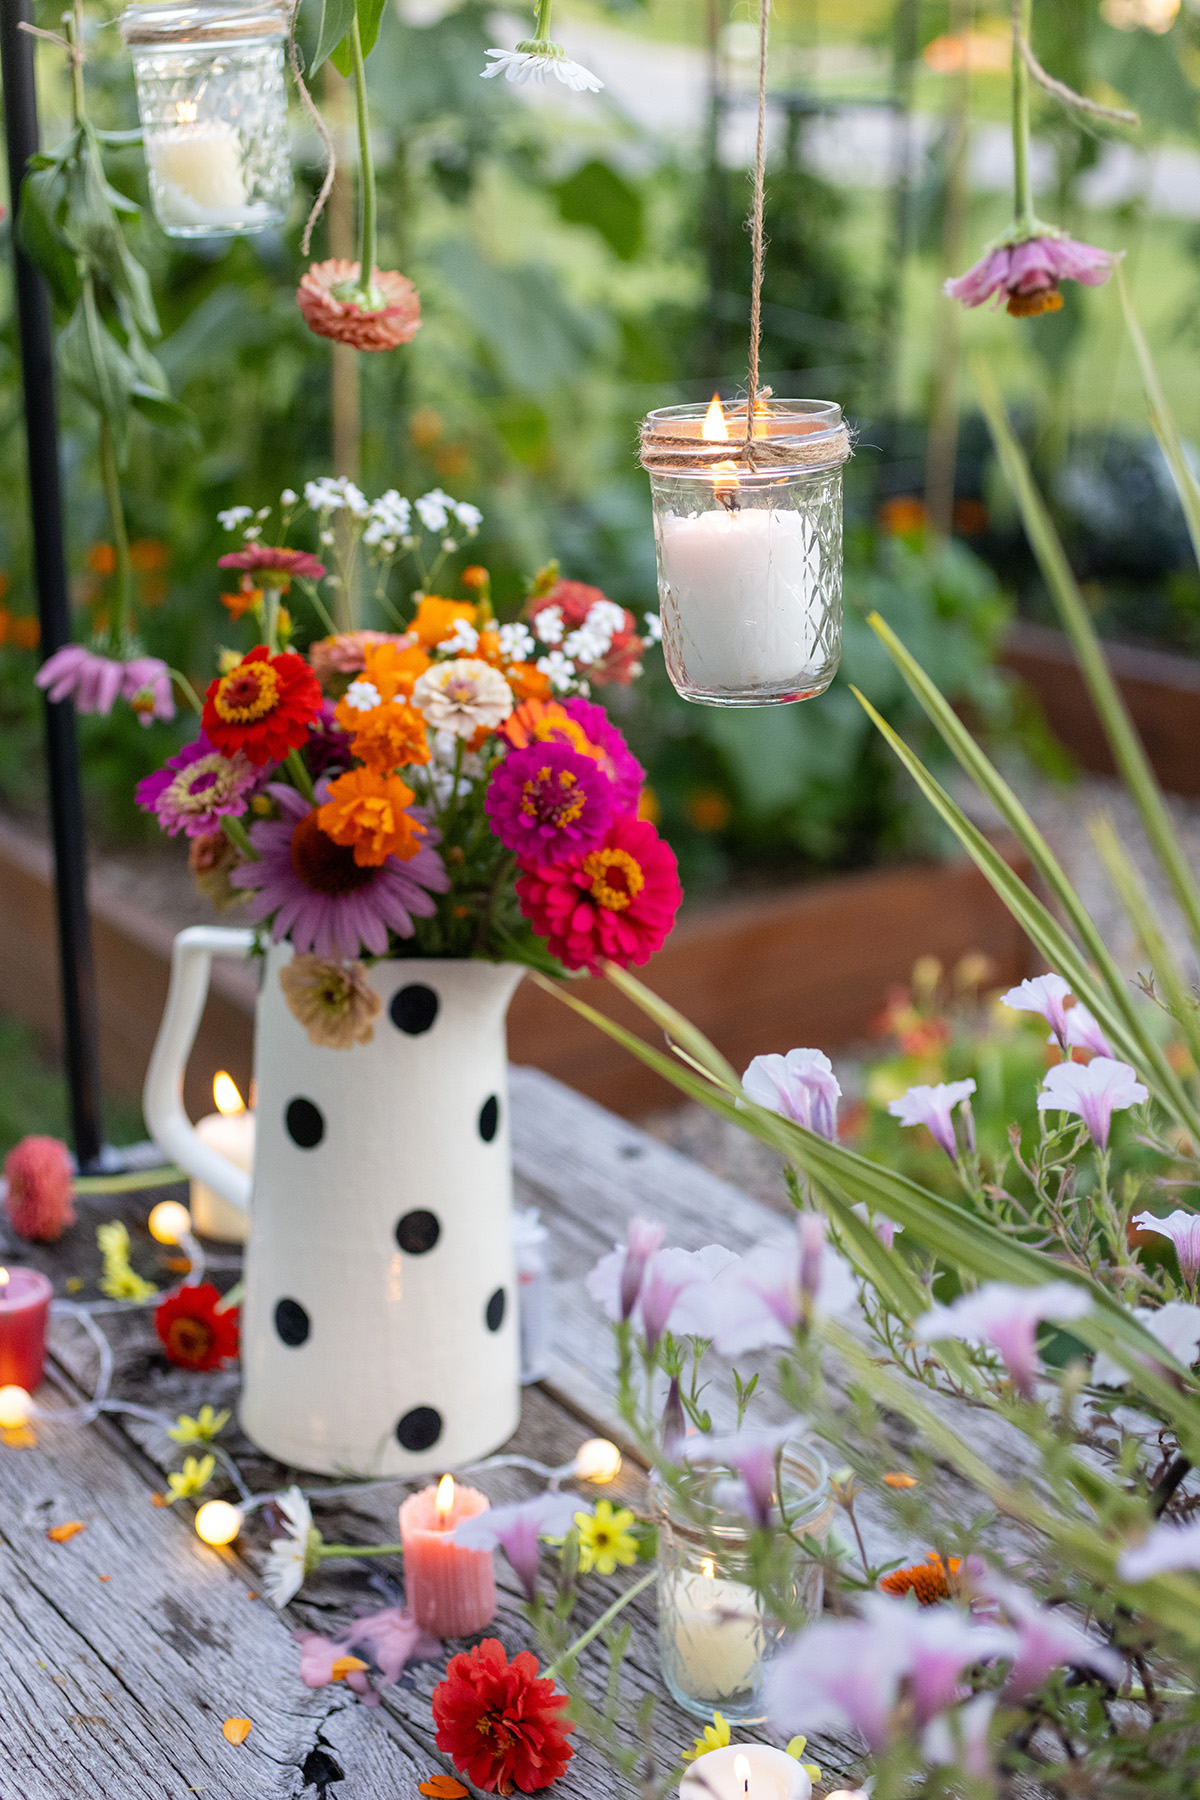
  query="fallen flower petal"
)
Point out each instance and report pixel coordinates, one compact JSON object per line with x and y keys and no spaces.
{"x":895,"y":1479}
{"x":442,"y":1787}
{"x":62,"y":1534}
{"x":345,"y":1665}
{"x":236,"y":1731}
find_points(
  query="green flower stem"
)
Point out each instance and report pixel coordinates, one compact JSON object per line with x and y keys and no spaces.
{"x":606,"y":1618}
{"x":1022,"y":24}
{"x":235,"y":831}
{"x":366,"y":245}
{"x":327,"y":1550}
{"x":271,"y":617}
{"x":300,"y":774}
{"x":541,"y":19}
{"x":186,"y":689}
{"x":120,"y":624}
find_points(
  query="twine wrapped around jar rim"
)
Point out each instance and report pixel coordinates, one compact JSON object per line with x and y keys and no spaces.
{"x":664,"y":451}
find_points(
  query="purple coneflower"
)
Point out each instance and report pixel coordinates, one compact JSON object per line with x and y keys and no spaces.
{"x":322,"y":900}
{"x":198,"y":788}
{"x":95,"y":683}
{"x":1026,"y":275}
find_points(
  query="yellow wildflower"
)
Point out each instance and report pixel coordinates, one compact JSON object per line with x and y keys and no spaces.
{"x":119,"y":1281}
{"x":716,"y":1737}
{"x":796,"y":1749}
{"x":192,"y":1479}
{"x":605,"y":1538}
{"x":200,"y":1430}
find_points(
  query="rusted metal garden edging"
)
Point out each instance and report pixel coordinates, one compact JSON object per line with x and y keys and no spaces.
{"x":809,"y":965}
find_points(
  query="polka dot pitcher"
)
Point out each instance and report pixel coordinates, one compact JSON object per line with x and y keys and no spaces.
{"x":379,"y":1325}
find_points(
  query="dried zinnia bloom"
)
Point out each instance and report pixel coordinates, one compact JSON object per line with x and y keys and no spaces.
{"x":332,"y":1000}
{"x":334,"y":307}
{"x":212,"y":860}
{"x":38,"y":1201}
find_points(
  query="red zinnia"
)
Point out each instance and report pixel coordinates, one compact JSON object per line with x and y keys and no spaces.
{"x":194,"y":1334}
{"x":274,"y":564}
{"x":264,"y":705}
{"x":616,"y":903}
{"x":332,"y":308}
{"x":500,"y":1724}
{"x":621,"y":661}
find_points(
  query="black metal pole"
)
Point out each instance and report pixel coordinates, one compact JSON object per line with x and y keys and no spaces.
{"x":45,"y":505}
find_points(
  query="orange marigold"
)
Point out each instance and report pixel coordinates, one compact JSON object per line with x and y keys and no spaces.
{"x":326,"y":296}
{"x":367,"y":811}
{"x":436,"y":619}
{"x":389,"y":736}
{"x":930,"y":1581}
{"x":527,"y":682}
{"x":394,"y":670}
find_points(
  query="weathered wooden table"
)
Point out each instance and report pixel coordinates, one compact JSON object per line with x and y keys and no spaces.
{"x":123,"y":1650}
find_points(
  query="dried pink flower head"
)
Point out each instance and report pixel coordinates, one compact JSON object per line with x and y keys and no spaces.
{"x":1026,"y":275}
{"x":333,"y":1001}
{"x":38,"y":1201}
{"x":333,"y":308}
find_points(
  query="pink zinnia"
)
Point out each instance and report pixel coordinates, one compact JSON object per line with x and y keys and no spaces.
{"x":615,"y":903}
{"x":332,"y":306}
{"x":616,"y":758}
{"x":38,"y":1201}
{"x":197,"y":788}
{"x":548,"y":802}
{"x":95,"y":683}
{"x":274,"y":565}
{"x":1027,"y":275}
{"x":317,"y":896}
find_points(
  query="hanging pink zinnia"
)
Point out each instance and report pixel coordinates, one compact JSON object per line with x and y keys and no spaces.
{"x":334,"y":307}
{"x":615,"y":903}
{"x":1026,"y":275}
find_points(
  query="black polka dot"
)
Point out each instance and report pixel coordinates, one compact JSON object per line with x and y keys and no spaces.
{"x":489,"y":1119}
{"x":495,"y":1310}
{"x":418,"y":1232}
{"x":305,"y":1123}
{"x":414,"y":1008}
{"x":420,"y":1429}
{"x":292,"y":1322}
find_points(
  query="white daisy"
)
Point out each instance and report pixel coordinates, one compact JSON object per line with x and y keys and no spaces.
{"x":527,"y":64}
{"x":293,"y":1557}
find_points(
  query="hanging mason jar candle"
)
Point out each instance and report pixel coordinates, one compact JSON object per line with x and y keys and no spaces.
{"x":748,"y":535}
{"x":213,"y":107}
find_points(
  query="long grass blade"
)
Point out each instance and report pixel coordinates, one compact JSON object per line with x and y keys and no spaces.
{"x":1162,"y":419}
{"x":1139,"y":910}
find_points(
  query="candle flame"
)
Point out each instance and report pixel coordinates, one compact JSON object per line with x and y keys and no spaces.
{"x":185,"y":111}
{"x":708,"y":1567}
{"x":445,"y":1498}
{"x":3,"y":1277}
{"x":741,"y":1772}
{"x":717,"y":432}
{"x":225,"y":1093}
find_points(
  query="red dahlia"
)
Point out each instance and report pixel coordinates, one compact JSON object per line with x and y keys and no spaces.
{"x":617,"y":903}
{"x":274,"y":564}
{"x":264,"y":705}
{"x":501,"y":1726}
{"x":194,"y":1334}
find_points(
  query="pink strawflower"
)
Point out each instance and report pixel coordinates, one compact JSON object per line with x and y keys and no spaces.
{"x":1027,"y":275}
{"x":1047,"y":995}
{"x":322,"y":900}
{"x":517,"y":1529}
{"x":1093,"y":1092}
{"x":1183,"y":1229}
{"x":1007,"y":1317}
{"x":548,"y":802}
{"x":801,"y":1086}
{"x":273,"y":565}
{"x":1164,"y":1547}
{"x":38,"y":1175}
{"x":333,"y":308}
{"x":95,"y":683}
{"x":932,"y":1106}
{"x":615,"y":903}
{"x":197,"y":788}
{"x":1046,"y":1639}
{"x":391,"y":1639}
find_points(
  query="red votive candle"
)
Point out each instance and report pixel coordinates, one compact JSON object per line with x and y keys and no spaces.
{"x":25,"y":1296}
{"x":450,"y":1591}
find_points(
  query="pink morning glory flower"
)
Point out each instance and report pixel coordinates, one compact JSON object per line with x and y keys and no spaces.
{"x":516,"y":1529}
{"x":800,"y":1086}
{"x":1093,"y":1092}
{"x":760,"y":1300}
{"x":660,"y":1280}
{"x":751,"y":1454}
{"x":960,"y":1738}
{"x":932,"y":1106}
{"x":1007,"y":1317}
{"x":1084,"y":1033}
{"x":96,"y":682}
{"x":1176,"y":1326}
{"x":1045,"y":994}
{"x":1164,"y":1547}
{"x":643,"y":1240}
{"x":1046,"y":1639}
{"x":1183,"y":1229}
{"x":1026,"y":275}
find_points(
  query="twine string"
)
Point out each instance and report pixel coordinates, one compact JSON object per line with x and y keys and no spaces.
{"x":314,"y":113}
{"x":756,"y":225}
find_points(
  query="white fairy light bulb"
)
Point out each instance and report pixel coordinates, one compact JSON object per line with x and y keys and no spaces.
{"x":217,"y":1522}
{"x":16,"y":1408}
{"x":597,"y":1460}
{"x":169,"y":1221}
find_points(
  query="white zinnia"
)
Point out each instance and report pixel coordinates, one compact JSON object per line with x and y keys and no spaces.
{"x":534,"y":65}
{"x":288,"y":1557}
{"x":463,"y":696}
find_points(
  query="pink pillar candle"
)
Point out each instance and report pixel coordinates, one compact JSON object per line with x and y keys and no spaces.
{"x":25,"y":1296}
{"x":450,"y":1591}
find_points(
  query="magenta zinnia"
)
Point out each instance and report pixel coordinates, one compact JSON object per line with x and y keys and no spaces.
{"x":548,"y":801}
{"x":198,"y":788}
{"x":315,"y":893}
{"x":614,"y":903}
{"x":1026,"y":275}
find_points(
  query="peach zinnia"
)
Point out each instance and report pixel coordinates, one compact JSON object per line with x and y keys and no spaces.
{"x":335,"y":306}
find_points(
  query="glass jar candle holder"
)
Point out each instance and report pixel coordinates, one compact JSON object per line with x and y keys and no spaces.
{"x":213,"y":106}
{"x":748,"y":536}
{"x":716,"y":1632}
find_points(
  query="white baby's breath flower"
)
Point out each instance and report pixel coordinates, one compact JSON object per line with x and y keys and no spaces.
{"x":516,"y":643}
{"x":327,"y":538}
{"x":264,"y":512}
{"x":449,"y":546}
{"x":548,"y":625}
{"x":463,"y":696}
{"x":558,"y":670}
{"x":434,"y":509}
{"x":363,"y":696}
{"x":388,"y":518}
{"x":251,"y":532}
{"x":291,"y":1558}
{"x":288,"y":497}
{"x":468,"y":516}
{"x":232,"y":517}
{"x":653,"y":628}
{"x":529,"y":64}
{"x":463,"y":641}
{"x":329,"y":493}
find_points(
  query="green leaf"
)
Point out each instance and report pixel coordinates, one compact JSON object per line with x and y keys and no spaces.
{"x":336,"y":18}
{"x":596,"y":195}
{"x":96,"y":365}
{"x":1162,"y":419}
{"x":42,"y":193}
{"x":370,"y":13}
{"x":163,"y":409}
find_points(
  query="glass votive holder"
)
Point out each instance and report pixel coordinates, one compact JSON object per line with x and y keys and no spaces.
{"x":716,"y":1632}
{"x":748,"y":538}
{"x":213,"y":106}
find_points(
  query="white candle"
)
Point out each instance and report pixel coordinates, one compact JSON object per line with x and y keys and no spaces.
{"x":745,"y":1772}
{"x":231,"y":1131}
{"x":742,"y":600}
{"x":714,"y":1635}
{"x":198,"y":168}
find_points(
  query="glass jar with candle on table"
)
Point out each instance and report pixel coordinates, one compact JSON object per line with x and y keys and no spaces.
{"x":213,"y":106}
{"x":748,"y":535}
{"x":715,"y":1630}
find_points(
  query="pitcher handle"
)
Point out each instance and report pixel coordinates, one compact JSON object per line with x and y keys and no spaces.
{"x":162,"y":1096}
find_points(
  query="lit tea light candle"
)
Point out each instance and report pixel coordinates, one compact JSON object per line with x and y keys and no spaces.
{"x":197,"y":166}
{"x":25,"y":1296}
{"x":713,"y":1635}
{"x":450,"y":1590}
{"x":231,"y":1131}
{"x":745,"y":1772}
